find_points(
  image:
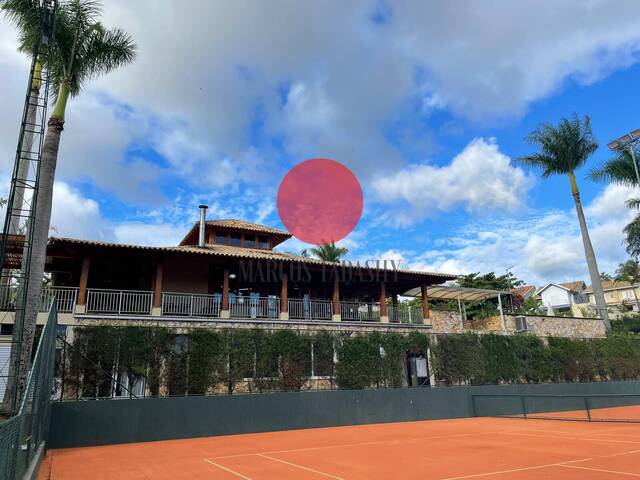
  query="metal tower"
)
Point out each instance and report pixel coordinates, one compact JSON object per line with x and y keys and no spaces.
{"x":17,"y":236}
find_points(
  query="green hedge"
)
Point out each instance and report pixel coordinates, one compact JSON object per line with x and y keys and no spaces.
{"x":203,"y":361}
{"x":479,"y":359}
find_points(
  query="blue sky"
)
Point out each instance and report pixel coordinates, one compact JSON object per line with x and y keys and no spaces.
{"x":427,"y":103}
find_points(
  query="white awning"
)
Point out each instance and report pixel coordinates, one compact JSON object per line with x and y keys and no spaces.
{"x":452,"y":292}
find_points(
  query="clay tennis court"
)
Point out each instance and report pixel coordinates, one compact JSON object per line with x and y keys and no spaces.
{"x":489,"y":448}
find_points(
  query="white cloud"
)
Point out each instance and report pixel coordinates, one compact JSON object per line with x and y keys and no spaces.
{"x":74,"y":215}
{"x":540,"y":247}
{"x":480,"y":178}
{"x":324,"y":80}
{"x":148,"y":234}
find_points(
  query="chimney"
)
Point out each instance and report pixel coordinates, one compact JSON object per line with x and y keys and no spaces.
{"x":203,"y":222}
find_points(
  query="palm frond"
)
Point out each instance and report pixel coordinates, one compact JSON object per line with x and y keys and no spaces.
{"x":632,"y":231}
{"x":561,"y":148}
{"x":619,"y":170}
{"x":633,"y":203}
{"x":25,"y":15}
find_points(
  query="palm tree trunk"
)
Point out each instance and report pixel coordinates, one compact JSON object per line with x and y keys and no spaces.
{"x":38,"y":253}
{"x":590,"y":256}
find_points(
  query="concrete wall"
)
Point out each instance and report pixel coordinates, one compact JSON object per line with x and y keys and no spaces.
{"x":102,"y":422}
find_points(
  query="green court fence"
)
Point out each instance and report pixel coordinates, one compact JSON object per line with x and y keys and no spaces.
{"x":588,"y":408}
{"x":22,"y":437}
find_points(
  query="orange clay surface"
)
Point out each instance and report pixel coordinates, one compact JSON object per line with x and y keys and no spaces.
{"x":491,"y":448}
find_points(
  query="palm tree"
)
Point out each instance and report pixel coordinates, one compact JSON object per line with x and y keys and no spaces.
{"x":562,"y":150}
{"x":83,"y":49}
{"x":329,"y":252}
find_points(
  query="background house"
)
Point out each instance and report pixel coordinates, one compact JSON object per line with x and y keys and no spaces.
{"x":620,"y":295}
{"x":569,"y":297}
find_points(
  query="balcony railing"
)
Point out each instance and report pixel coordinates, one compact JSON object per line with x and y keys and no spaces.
{"x":304,"y":309}
{"x":187,"y":305}
{"x":360,"y":312}
{"x":254,"y":307}
{"x":122,"y":302}
{"x":405,"y":313}
{"x":65,"y":298}
{"x":137,"y":302}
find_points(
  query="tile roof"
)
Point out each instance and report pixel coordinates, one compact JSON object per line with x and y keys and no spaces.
{"x":244,"y":225}
{"x":523,"y":291}
{"x":575,"y":286}
{"x":610,"y":285}
{"x":231,"y":252}
{"x":236,"y":224}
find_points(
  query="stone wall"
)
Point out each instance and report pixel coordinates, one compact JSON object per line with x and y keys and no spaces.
{"x":560,"y":326}
{"x":446,"y":322}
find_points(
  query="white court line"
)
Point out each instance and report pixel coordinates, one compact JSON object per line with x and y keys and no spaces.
{"x":535,"y":467}
{"x":566,"y":437}
{"x":300,"y":466}
{"x":227,"y":469}
{"x":358,"y":444}
{"x":601,"y":470}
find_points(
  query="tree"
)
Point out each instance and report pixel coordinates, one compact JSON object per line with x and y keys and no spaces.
{"x":632,"y":230}
{"x":604,"y":276}
{"x":618,"y":169}
{"x":562,"y":150}
{"x":621,"y":170}
{"x":489,"y":281}
{"x":84,"y":49}
{"x":629,"y":271}
{"x":329,"y":252}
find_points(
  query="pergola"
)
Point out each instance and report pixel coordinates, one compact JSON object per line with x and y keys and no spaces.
{"x":462,"y":295}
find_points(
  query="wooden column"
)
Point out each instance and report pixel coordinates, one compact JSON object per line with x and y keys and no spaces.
{"x":384,"y":315}
{"x":336,"y":299}
{"x":157,"y":289}
{"x":84,"y":279}
{"x":225,"y":295}
{"x":395,"y":314}
{"x":425,"y":303}
{"x":284,"y":297}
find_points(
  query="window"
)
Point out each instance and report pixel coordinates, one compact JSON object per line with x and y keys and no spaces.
{"x":249,"y":240}
{"x":6,"y":329}
{"x":234,"y":239}
{"x":263,"y":242}
{"x":221,"y":238}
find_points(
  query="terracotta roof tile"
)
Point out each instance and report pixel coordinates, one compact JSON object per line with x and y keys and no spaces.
{"x":576,"y":286}
{"x":610,"y":285}
{"x":228,"y":251}
{"x":244,"y":225}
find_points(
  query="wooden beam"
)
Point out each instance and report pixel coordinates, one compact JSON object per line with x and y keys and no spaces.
{"x":157,"y":289}
{"x":284,"y":294}
{"x":383,"y":300}
{"x":225,"y":290}
{"x":336,"y":296}
{"x":84,"y":279}
{"x":425,"y":301}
